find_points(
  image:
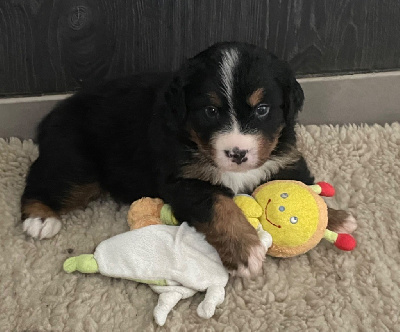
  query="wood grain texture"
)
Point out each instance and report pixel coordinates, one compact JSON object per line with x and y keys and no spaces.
{"x":50,"y":46}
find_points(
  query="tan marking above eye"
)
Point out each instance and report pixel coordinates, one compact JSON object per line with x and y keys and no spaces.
{"x":214,"y":99}
{"x":256,"y":97}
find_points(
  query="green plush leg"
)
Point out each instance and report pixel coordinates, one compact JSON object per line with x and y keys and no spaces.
{"x":330,"y":236}
{"x":82,"y":263}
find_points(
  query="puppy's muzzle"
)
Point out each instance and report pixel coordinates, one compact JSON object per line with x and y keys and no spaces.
{"x":237,"y":155}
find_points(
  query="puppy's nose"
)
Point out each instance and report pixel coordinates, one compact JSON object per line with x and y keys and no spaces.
{"x":237,"y":155}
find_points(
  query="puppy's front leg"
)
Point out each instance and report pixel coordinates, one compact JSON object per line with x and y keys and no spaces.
{"x":211,"y":210}
{"x":234,"y":238}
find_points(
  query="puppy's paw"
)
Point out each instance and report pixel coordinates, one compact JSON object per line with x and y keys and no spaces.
{"x":39,"y":229}
{"x":341,"y":221}
{"x":235,"y":240}
{"x":254,"y":263}
{"x":349,"y":224}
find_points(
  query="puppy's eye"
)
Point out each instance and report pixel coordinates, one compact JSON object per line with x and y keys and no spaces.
{"x":262,"y":110}
{"x":211,"y":112}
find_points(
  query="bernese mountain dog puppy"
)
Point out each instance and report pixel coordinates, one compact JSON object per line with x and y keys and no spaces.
{"x":222,"y":124}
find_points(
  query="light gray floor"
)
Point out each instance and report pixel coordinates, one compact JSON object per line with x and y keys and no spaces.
{"x":361,"y":98}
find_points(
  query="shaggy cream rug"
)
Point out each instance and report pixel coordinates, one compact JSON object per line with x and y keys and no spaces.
{"x":323,"y":290}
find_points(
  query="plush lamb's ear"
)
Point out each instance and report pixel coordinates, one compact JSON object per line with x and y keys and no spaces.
{"x":175,"y":100}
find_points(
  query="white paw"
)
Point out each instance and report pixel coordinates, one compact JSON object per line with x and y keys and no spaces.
{"x":39,"y":229}
{"x":349,"y":225}
{"x":254,"y":265}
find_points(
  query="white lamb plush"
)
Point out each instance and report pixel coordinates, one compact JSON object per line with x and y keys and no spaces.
{"x":176,"y":261}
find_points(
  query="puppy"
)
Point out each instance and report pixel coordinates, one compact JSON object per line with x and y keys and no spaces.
{"x":222,"y":124}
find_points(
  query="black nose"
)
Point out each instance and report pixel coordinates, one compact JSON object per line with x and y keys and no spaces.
{"x":238,"y":156}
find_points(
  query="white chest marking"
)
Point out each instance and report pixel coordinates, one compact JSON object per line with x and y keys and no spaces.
{"x":241,"y":182}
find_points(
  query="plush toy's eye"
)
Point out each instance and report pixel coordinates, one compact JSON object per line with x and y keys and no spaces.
{"x":281,"y":208}
{"x":284,"y":195}
{"x":211,"y":112}
{"x":294,"y":220}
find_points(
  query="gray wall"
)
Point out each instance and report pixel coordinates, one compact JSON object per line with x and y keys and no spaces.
{"x":54,"y":46}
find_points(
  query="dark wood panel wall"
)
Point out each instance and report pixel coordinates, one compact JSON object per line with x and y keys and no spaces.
{"x":49,"y":46}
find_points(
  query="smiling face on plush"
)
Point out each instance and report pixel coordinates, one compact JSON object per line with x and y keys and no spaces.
{"x":293,"y":214}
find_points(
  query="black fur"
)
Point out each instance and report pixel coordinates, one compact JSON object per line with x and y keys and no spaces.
{"x":128,"y":134}
{"x":132,"y":135}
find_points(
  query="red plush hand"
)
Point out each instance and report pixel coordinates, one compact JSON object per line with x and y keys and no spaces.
{"x":327,"y":189}
{"x":345,"y":242}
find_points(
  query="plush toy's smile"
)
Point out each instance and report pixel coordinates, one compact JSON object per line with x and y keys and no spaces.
{"x":266,"y":215}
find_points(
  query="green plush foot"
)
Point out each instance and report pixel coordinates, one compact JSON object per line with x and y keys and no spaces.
{"x":70,"y":265}
{"x":82,"y":263}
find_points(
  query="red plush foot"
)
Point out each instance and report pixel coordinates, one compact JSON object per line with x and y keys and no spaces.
{"x":327,"y":189}
{"x":345,"y":242}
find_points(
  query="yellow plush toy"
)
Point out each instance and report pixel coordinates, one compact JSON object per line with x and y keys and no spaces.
{"x":294,"y":214}
{"x":291,"y":212}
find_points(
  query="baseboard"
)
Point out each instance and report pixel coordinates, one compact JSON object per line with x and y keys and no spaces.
{"x":19,"y":117}
{"x":360,"y":98}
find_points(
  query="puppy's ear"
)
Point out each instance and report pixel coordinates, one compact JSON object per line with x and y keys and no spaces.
{"x":296,"y":95}
{"x":175,"y":100}
{"x":292,"y":93}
